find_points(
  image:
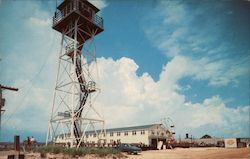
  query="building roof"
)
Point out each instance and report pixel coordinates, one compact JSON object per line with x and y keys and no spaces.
{"x":142,"y":127}
{"x":206,"y":137}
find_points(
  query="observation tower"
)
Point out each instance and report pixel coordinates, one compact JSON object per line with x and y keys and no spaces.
{"x":73,"y":113}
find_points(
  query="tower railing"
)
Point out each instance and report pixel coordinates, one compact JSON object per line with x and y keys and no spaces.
{"x":75,"y":6}
{"x":69,"y":48}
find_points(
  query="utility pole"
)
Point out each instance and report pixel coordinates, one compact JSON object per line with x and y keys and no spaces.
{"x":2,"y":100}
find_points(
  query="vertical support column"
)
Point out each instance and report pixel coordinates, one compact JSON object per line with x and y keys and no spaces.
{"x":49,"y":132}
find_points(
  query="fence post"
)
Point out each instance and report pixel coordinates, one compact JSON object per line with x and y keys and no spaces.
{"x":17,"y":143}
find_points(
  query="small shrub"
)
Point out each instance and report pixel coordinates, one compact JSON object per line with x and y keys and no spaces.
{"x":82,"y":151}
{"x":74,"y":152}
{"x":42,"y":155}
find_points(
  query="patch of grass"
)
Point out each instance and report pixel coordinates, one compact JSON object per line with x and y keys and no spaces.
{"x":50,"y":149}
{"x":82,"y":151}
{"x":90,"y":150}
{"x":73,"y":152}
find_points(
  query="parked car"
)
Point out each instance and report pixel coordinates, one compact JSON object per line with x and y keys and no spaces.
{"x":130,"y":149}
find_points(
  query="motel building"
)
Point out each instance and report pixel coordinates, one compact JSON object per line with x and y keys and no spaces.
{"x":147,"y":135}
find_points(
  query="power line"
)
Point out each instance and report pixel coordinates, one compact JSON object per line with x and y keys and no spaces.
{"x":31,"y":82}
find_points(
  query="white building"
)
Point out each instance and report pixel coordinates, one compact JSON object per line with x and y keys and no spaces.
{"x":148,"y":135}
{"x":237,"y":142}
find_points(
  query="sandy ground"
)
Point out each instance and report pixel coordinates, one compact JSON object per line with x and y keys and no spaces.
{"x":195,"y":153}
{"x":178,"y":153}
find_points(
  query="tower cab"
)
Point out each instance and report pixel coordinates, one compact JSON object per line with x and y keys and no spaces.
{"x":89,"y":23}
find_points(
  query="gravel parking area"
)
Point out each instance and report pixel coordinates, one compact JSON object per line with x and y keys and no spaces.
{"x":195,"y":153}
{"x":177,"y":153}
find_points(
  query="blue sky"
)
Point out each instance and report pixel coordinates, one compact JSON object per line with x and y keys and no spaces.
{"x":188,"y":60}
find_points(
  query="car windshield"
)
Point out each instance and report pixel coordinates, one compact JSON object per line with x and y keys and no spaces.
{"x":127,"y":145}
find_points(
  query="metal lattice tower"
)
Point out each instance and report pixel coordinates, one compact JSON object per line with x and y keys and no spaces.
{"x":73,"y":113}
{"x":168,"y":124}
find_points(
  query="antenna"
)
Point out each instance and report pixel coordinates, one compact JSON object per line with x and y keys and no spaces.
{"x":55,"y":9}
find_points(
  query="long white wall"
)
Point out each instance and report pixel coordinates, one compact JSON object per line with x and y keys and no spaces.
{"x":126,"y":136}
{"x":141,"y":136}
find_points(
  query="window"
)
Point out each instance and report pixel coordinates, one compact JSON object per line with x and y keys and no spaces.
{"x":111,"y":141}
{"x":111,"y":134}
{"x":125,"y":133}
{"x":94,"y":135}
{"x":118,"y":133}
{"x":142,"y":132}
{"x":152,"y":132}
{"x":133,"y":132}
{"x":87,"y":136}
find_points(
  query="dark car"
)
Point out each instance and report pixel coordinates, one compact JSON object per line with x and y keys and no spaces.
{"x":130,"y":149}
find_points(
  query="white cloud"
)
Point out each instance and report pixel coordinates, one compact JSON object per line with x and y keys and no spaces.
{"x":28,"y":69}
{"x":36,"y":22}
{"x":134,"y":100}
{"x":216,"y":72}
{"x":170,"y":14}
{"x":177,"y":31}
{"x":174,"y":14}
{"x":100,"y":4}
